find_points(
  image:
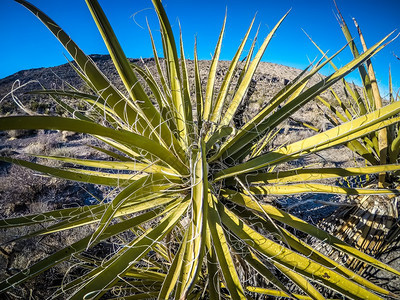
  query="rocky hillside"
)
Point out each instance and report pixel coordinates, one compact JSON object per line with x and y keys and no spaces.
{"x":267,"y":80}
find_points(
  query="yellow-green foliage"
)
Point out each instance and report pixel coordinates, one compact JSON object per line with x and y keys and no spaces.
{"x":380,"y":147}
{"x":192,"y":187}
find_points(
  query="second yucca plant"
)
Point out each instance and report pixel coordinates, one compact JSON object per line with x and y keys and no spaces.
{"x":191,"y":185}
{"x":368,"y":225}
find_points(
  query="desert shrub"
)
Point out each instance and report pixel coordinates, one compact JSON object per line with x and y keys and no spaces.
{"x":189,"y":177}
{"x":21,"y":133}
{"x":377,"y":148}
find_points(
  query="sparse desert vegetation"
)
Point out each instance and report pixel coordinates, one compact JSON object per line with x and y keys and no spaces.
{"x":170,"y":178}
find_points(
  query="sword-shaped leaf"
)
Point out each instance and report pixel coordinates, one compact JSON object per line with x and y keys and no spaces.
{"x":95,"y":178}
{"x":144,"y":186}
{"x":115,"y":165}
{"x":336,"y":136}
{"x":74,"y":249}
{"x":119,"y":264}
{"x":301,"y":225}
{"x":223,"y":252}
{"x":175,"y":270}
{"x":172,"y":63}
{"x":297,"y":244}
{"x":221,"y":98}
{"x":125,"y":137}
{"x":303,"y":174}
{"x":195,"y":246}
{"x":95,"y":214}
{"x":244,"y":85}
{"x":301,"y":188}
{"x":292,"y":260}
{"x":98,"y":80}
{"x":253,"y":128}
{"x":208,"y":100}
{"x":186,"y":90}
{"x":132,"y":85}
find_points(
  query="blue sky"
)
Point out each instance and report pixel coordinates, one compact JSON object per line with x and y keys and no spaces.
{"x":26,"y":43}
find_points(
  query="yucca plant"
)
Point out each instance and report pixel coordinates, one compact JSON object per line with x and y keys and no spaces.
{"x":189,"y":209}
{"x":378,"y":148}
{"x":383,"y":146}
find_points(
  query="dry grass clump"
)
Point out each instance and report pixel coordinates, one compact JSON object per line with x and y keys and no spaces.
{"x":17,"y":256}
{"x":21,"y":133}
{"x":24,"y":192}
